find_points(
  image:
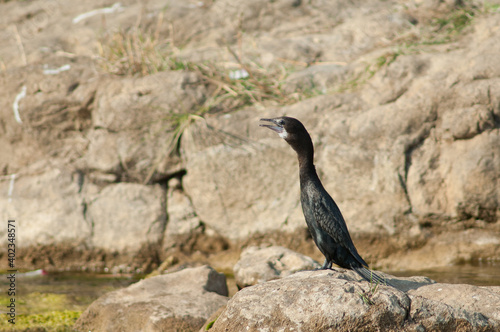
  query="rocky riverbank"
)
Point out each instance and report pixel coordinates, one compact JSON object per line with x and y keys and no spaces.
{"x":130,"y":133}
{"x":278,"y":298}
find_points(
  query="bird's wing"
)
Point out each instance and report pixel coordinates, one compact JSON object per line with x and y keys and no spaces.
{"x":330,"y":219}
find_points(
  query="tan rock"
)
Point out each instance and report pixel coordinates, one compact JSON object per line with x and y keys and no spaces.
{"x":177,"y":301}
{"x":126,"y":216}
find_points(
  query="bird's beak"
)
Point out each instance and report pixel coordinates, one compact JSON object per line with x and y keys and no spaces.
{"x":277,"y":128}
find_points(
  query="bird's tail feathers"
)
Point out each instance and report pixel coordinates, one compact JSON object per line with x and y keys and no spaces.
{"x":371,"y":276}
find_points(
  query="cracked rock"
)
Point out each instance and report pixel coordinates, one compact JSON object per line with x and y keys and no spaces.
{"x":328,"y":300}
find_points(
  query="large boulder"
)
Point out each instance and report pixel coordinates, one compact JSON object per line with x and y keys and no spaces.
{"x":45,"y":115}
{"x":127,"y":216}
{"x":177,"y":301}
{"x":236,"y":212}
{"x":329,"y":300}
{"x":467,"y":302}
{"x":134,"y":124}
{"x":47,"y":207}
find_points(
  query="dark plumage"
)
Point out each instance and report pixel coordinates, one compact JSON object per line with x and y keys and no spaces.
{"x":323,"y":217}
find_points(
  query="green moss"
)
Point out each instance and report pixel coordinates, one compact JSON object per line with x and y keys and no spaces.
{"x":40,"y":302}
{"x":209,"y":325}
{"x":452,"y":25}
{"x":51,"y":321}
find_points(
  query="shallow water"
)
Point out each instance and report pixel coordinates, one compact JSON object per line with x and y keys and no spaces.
{"x":486,"y":274}
{"x":60,"y":291}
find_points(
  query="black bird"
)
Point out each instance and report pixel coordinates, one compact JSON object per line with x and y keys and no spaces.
{"x":323,"y":217}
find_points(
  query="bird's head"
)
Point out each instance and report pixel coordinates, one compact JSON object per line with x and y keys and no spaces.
{"x":292,"y":131}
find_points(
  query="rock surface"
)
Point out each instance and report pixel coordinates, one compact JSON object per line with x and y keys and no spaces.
{"x":331,"y":300}
{"x":126,"y":216}
{"x":464,"y":303}
{"x":183,"y":223}
{"x":129,"y":122}
{"x":178,"y":301}
{"x":258,"y":265}
{"x":47,"y":207}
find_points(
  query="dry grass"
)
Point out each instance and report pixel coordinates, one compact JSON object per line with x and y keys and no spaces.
{"x":133,"y":51}
{"x":141,"y":51}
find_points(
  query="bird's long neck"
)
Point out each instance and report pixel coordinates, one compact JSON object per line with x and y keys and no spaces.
{"x":306,"y":162}
{"x":307,"y":172}
{"x":305,"y":154}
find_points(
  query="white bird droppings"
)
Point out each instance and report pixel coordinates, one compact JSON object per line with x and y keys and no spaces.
{"x":15,"y":106}
{"x":117,"y":7}
{"x":48,"y":71}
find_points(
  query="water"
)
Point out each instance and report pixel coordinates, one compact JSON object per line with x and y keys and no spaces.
{"x":472,"y":274}
{"x":60,"y":291}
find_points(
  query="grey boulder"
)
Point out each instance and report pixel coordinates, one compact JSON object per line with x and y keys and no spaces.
{"x":180,"y":301}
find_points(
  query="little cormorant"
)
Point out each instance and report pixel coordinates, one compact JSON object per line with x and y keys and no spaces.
{"x":324,"y":220}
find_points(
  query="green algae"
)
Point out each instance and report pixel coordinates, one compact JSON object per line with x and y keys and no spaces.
{"x":41,"y":303}
{"x":54,"y":321}
{"x":41,"y":312}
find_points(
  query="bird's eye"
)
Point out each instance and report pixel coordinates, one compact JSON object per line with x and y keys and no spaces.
{"x":281,"y":122}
